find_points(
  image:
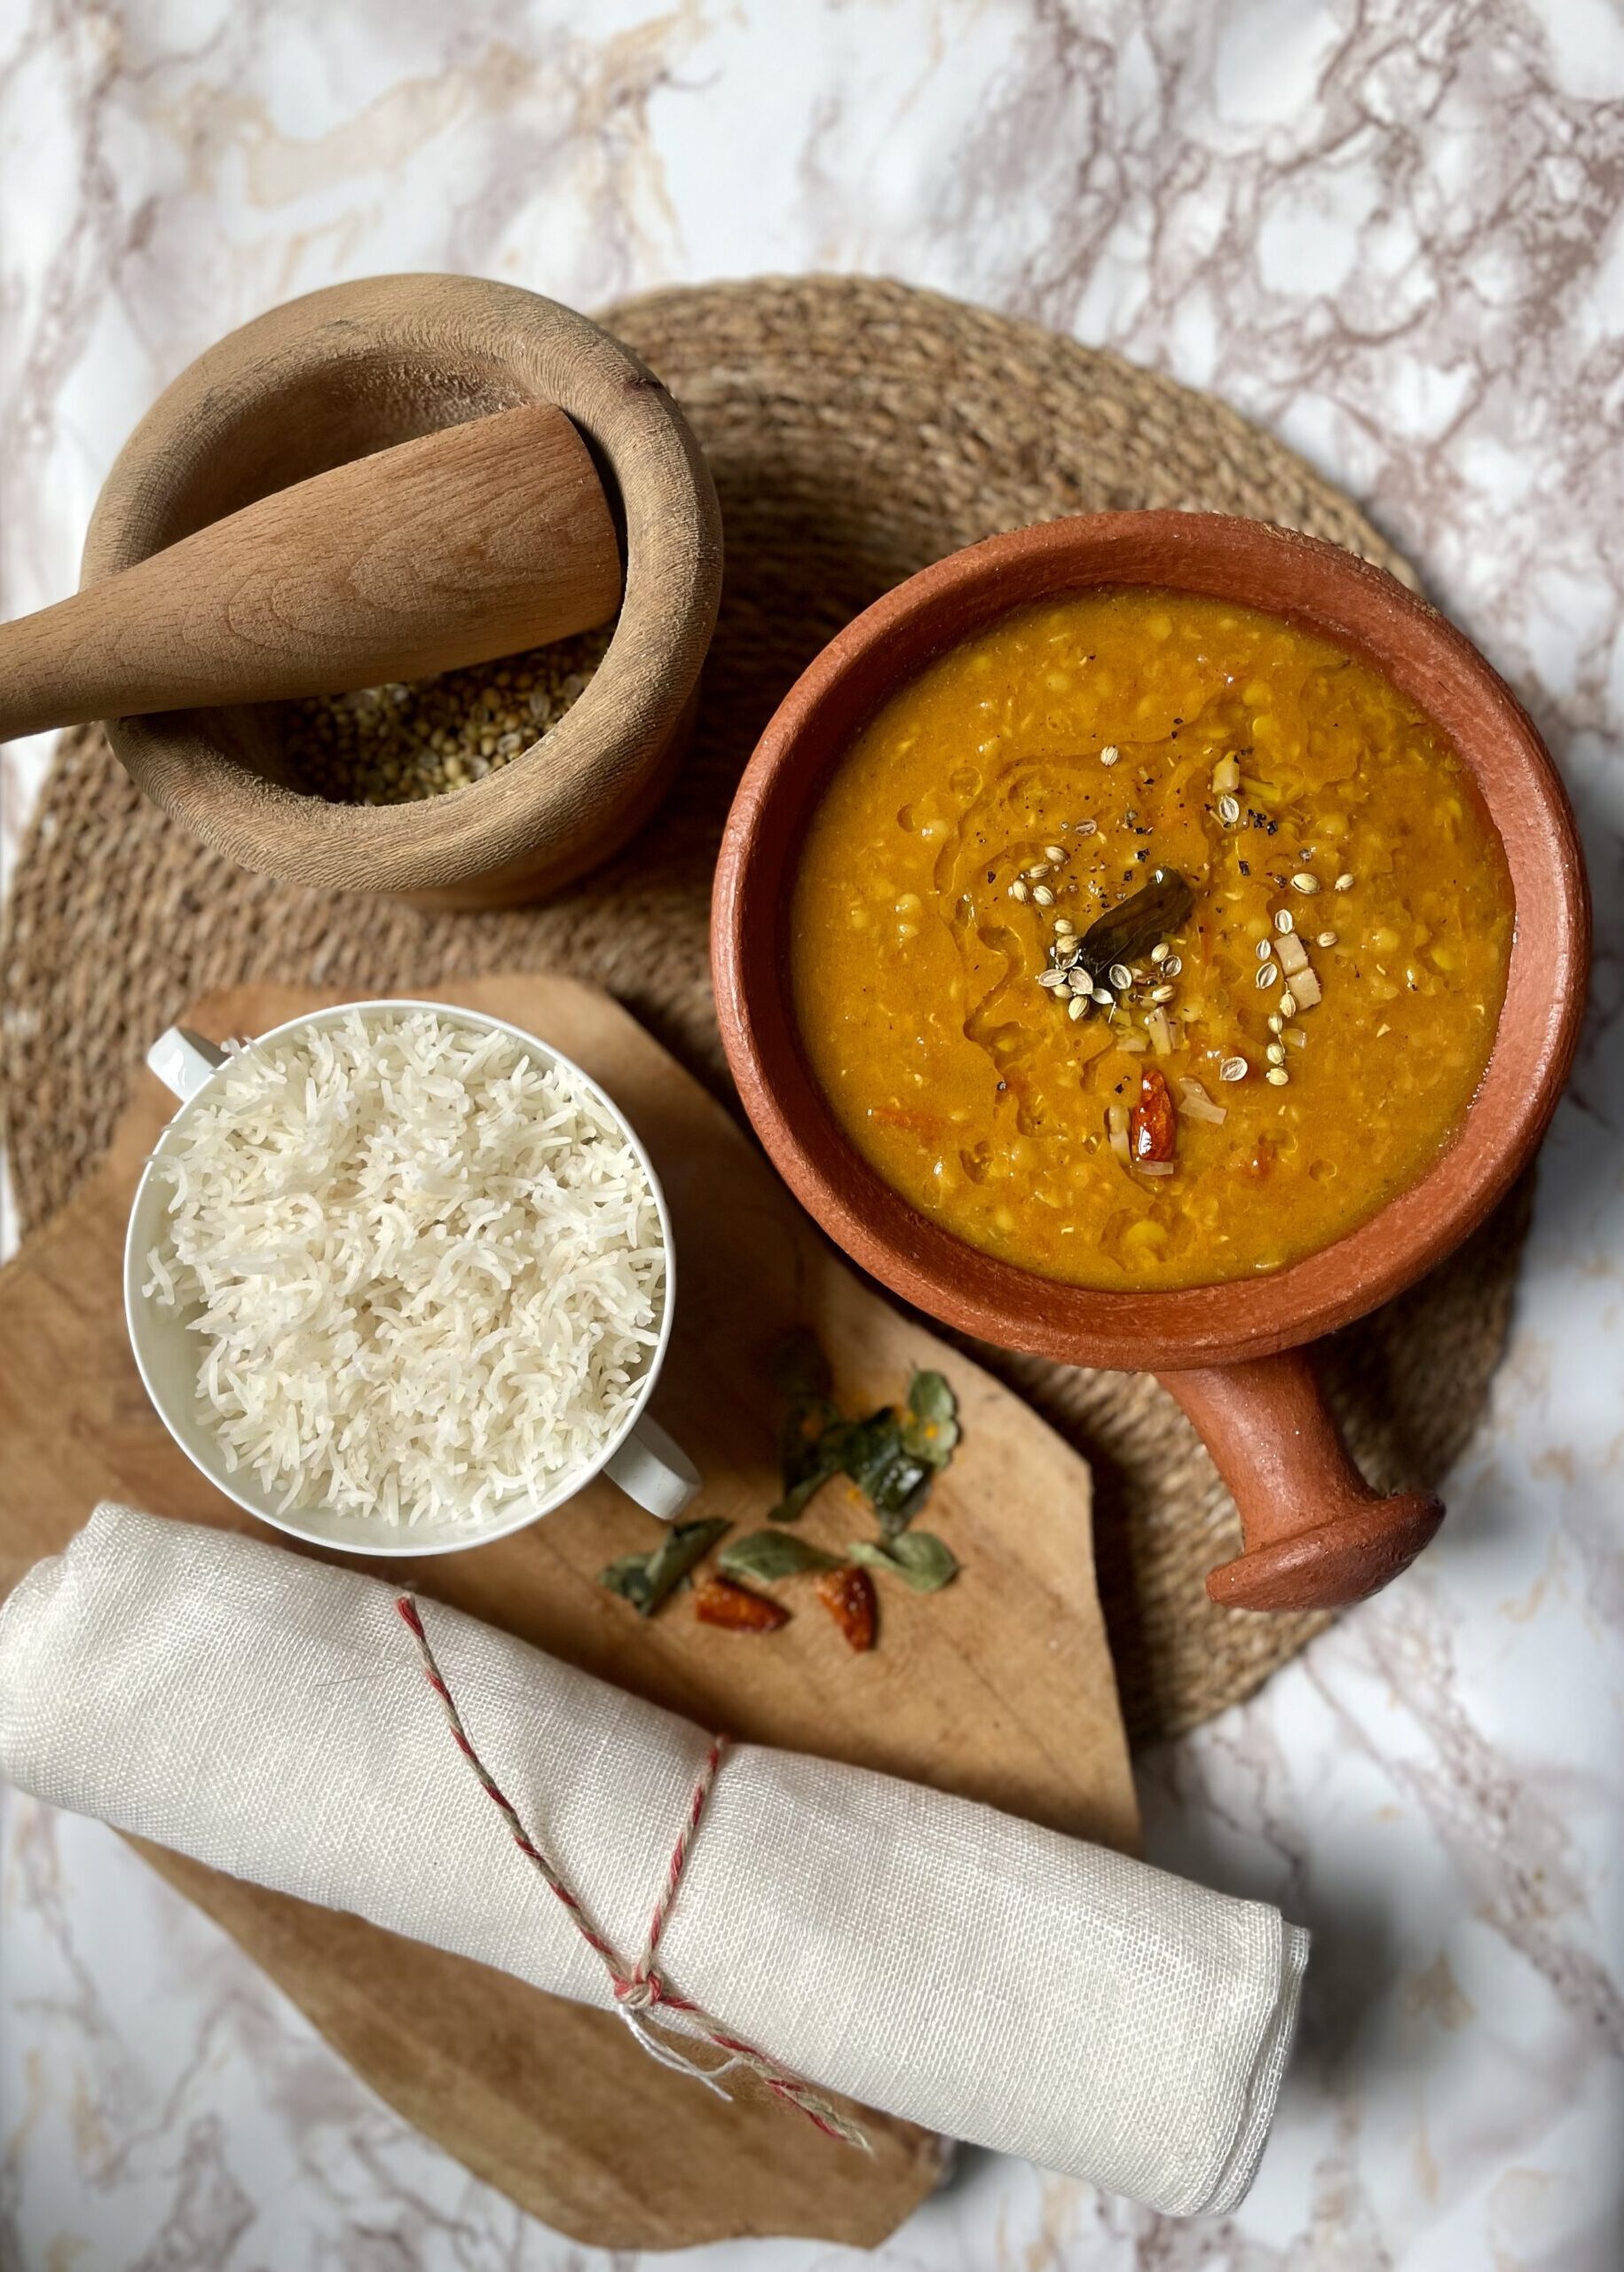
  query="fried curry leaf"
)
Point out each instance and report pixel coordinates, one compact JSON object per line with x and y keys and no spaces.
{"x":1134,"y":928}
{"x":645,"y":1580}
{"x":930,"y":1426}
{"x":766,"y":1556}
{"x":806,"y":1477}
{"x":895,"y":1481}
{"x":892,"y":1456}
{"x":918,"y":1557}
{"x":799,"y":1369}
{"x":805,"y":1448}
{"x":807,"y":1454}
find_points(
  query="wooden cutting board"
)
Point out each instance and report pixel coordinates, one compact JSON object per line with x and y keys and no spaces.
{"x":1000,"y":1687}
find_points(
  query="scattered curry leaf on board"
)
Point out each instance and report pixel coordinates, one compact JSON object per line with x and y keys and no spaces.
{"x":646,"y":1580}
{"x":803,"y":1487}
{"x":799,"y":1369}
{"x":894,"y":1480}
{"x":768,"y":1555}
{"x":892,"y":1456}
{"x":628,"y":1577}
{"x":930,"y":1426}
{"x":802,"y":1450}
{"x":919,"y":1558}
{"x":809,"y":1450}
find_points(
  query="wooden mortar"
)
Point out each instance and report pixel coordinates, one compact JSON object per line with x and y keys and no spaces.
{"x":358,"y":367}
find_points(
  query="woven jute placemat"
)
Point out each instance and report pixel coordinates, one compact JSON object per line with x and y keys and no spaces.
{"x":857,"y":431}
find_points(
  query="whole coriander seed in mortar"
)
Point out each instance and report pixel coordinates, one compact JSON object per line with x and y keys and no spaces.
{"x":399,"y":743}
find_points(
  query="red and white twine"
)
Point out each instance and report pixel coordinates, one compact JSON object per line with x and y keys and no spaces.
{"x":640,"y":1990}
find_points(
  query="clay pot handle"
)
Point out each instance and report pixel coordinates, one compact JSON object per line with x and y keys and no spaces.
{"x":1317,"y":1536}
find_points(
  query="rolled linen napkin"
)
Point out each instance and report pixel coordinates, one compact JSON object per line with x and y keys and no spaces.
{"x":268,"y":1715}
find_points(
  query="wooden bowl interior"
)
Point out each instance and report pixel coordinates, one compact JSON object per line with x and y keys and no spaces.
{"x":1328,"y":591}
{"x":304,"y":422}
{"x":356,"y":368}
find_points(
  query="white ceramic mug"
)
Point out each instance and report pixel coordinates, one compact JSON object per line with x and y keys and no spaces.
{"x":639,"y":1456}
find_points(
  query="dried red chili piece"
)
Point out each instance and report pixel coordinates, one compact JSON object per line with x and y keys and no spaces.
{"x":1152,"y":1124}
{"x":847,"y":1594}
{"x":718,"y":1601}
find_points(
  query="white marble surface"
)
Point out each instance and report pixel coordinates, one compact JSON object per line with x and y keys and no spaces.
{"x":1391,"y":230}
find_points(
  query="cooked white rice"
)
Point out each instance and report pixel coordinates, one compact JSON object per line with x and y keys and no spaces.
{"x":426,"y":1266}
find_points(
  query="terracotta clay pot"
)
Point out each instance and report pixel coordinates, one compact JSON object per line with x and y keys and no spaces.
{"x":1316,"y":1534}
{"x":354,"y":368}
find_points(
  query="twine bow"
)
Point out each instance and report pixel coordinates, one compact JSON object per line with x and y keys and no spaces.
{"x":640,"y":1989}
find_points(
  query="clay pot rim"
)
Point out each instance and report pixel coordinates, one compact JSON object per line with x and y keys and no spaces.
{"x":528,"y":348}
{"x":1324,"y":588}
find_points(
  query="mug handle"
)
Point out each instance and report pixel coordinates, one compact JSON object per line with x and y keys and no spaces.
{"x":1316,"y":1535}
{"x":652,"y":1469}
{"x":183,"y":1061}
{"x":649,"y":1466}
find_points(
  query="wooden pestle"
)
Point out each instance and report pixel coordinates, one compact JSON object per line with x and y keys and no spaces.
{"x":474,"y":542}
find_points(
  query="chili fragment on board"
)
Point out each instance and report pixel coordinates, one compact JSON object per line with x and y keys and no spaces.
{"x":719,"y":1602}
{"x":847,"y":1594}
{"x":1152,"y":1125}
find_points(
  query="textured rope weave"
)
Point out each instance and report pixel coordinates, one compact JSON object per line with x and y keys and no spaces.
{"x":640,"y":1989}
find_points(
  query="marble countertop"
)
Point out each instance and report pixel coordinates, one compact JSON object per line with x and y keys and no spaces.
{"x":1389,"y":231}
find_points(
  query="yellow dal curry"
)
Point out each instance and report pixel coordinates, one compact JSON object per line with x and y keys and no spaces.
{"x":1290,"y":1041}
